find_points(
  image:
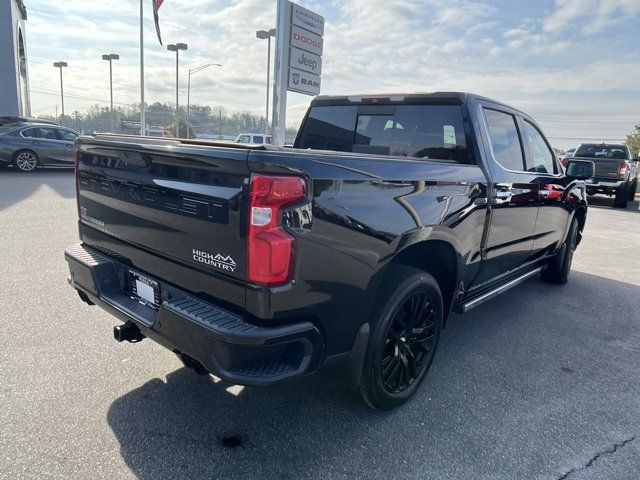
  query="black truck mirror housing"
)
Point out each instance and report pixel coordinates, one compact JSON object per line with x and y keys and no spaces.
{"x":581,"y":169}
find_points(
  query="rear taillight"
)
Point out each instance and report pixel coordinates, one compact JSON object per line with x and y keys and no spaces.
{"x":563,"y":161}
{"x":271,"y":249}
{"x":75,"y":170}
{"x":623,"y":169}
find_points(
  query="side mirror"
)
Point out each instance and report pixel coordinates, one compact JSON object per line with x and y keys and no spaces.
{"x":580,"y":169}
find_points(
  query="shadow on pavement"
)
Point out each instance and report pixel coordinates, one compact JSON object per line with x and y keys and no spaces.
{"x":527,"y":386}
{"x":16,"y":186}
{"x":605,"y":202}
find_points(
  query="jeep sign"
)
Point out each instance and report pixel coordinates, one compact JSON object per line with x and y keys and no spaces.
{"x":309,"y":62}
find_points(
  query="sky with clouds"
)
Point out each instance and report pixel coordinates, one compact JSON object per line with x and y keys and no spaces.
{"x":572,"y":64}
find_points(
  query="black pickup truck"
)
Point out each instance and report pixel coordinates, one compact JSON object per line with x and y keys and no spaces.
{"x":260,"y":264}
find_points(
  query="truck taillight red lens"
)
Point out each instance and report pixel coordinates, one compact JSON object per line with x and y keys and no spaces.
{"x":623,"y":169}
{"x":271,"y":249}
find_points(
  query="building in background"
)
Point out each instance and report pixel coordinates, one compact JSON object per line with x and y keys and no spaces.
{"x":14,"y":75}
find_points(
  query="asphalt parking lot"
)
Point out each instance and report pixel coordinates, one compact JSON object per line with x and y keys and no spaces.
{"x":541,"y":383}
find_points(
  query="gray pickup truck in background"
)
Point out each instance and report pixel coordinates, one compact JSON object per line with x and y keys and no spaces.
{"x":616,"y":171}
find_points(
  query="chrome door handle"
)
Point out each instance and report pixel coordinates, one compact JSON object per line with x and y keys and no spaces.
{"x":503,"y":193}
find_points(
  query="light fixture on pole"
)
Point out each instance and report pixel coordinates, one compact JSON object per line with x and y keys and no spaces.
{"x":61,"y":65}
{"x":176,"y":47}
{"x":267,"y":34}
{"x":193,"y":71}
{"x":110,"y":57}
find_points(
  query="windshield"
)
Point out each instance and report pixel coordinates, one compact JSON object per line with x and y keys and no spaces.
{"x":602,"y":151}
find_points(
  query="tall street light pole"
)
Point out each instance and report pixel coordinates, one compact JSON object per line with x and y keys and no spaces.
{"x":61,"y":65}
{"x":110,"y":57}
{"x":143,"y":122}
{"x":176,"y":47}
{"x":267,"y":34}
{"x":193,"y":71}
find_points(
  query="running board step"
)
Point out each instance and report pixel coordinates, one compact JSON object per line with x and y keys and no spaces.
{"x":485,"y":297}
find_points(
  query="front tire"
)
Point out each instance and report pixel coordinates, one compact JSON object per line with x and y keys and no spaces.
{"x":407,"y":321}
{"x":559,"y":269}
{"x":26,"y":161}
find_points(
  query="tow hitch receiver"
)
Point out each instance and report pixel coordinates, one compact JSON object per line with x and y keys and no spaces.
{"x":129,"y":332}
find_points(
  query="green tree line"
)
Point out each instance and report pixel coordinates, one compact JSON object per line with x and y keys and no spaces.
{"x":202,"y":120}
{"x":633,"y":141}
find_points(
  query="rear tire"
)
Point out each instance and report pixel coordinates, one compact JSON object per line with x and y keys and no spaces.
{"x":633,"y":188}
{"x":622,"y":196}
{"x":26,"y":160}
{"x":559,"y":269}
{"x":407,"y":321}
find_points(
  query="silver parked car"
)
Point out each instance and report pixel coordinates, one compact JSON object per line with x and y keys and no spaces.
{"x":30,"y":145}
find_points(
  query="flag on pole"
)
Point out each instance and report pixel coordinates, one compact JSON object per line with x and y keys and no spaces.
{"x":156,"y":6}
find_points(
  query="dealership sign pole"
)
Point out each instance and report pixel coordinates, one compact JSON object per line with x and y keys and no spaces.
{"x":298,"y":65}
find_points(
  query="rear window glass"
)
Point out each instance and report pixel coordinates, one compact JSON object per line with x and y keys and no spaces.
{"x":419,"y":131}
{"x":7,"y":128}
{"x":602,"y":151}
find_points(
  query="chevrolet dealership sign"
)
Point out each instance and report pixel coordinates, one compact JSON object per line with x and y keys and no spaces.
{"x":298,"y":61}
{"x":305,"y":50}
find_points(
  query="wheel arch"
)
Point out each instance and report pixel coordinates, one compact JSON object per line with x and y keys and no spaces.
{"x":580,"y":214}
{"x":440,"y":259}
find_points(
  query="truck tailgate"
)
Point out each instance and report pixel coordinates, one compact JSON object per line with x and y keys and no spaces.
{"x":179,"y":203}
{"x":607,"y":167}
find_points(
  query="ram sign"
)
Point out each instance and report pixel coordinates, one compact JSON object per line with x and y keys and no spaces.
{"x":303,"y":82}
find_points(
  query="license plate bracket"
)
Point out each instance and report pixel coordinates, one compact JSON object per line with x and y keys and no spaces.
{"x":144,"y":290}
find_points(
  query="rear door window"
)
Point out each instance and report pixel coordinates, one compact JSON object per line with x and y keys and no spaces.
{"x":48,"y":134}
{"x":258,"y":139}
{"x":419,"y":131}
{"x":505,"y":139}
{"x":541,"y":159}
{"x":31,"y":133}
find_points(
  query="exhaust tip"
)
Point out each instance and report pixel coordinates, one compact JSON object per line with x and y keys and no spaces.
{"x":85,"y":298}
{"x":193,"y":364}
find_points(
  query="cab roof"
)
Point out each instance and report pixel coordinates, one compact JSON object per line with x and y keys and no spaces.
{"x":433,"y":98}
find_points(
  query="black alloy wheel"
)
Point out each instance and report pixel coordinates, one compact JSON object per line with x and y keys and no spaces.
{"x":405,"y":328}
{"x":409,"y":345}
